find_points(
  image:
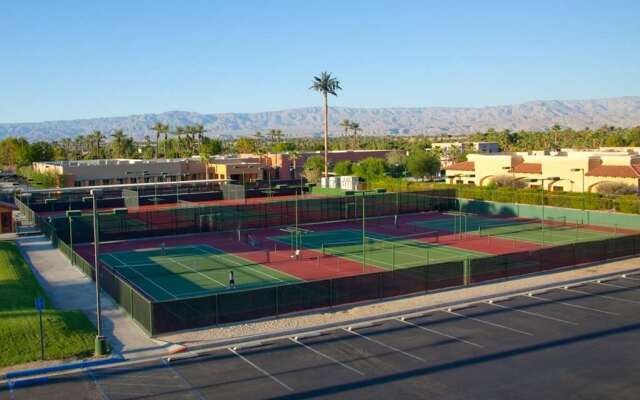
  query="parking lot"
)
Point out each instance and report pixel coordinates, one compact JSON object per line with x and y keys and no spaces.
{"x":581,"y":342}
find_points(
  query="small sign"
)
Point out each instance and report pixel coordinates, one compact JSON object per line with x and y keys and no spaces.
{"x":39,"y":303}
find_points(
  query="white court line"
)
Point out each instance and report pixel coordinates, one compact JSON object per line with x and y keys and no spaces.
{"x":615,"y":286}
{"x":570,"y":304}
{"x":535,"y":314}
{"x":386,"y":345}
{"x":603,"y":296}
{"x":231,"y":257}
{"x":630,"y":278}
{"x":182,"y":378}
{"x":103,"y":395}
{"x":490,"y":323}
{"x":143,"y":276}
{"x":357,"y":371}
{"x":265,"y":373}
{"x":196,"y":271}
{"x":442,"y":334}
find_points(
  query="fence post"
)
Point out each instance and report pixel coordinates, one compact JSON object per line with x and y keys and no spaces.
{"x":466,"y":271}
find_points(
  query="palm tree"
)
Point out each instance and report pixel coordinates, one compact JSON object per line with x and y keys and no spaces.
{"x":118,"y":145}
{"x":199,"y":131}
{"x":96,"y":137}
{"x":178,"y":132}
{"x":355,"y":127}
{"x":160,"y":129}
{"x":346,"y":125}
{"x":326,"y":84}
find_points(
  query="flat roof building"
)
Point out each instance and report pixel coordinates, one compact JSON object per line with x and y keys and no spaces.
{"x":571,"y":166}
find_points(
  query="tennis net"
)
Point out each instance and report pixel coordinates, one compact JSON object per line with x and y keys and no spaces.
{"x":519,"y":226}
{"x":371,"y":244}
{"x":187,"y":204}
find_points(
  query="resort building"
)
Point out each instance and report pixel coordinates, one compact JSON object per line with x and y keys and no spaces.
{"x":565,"y":170}
{"x":242,"y":167}
{"x":122,"y":171}
{"x":449,"y":149}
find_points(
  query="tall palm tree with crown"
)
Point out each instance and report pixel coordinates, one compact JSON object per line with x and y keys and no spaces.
{"x":326,"y":84}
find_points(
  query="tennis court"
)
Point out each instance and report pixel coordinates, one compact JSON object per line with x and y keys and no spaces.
{"x":187,"y":271}
{"x":382,"y":250}
{"x":553,"y":231}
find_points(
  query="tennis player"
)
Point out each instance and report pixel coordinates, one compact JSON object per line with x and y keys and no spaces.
{"x":162,"y":247}
{"x":232,"y":280}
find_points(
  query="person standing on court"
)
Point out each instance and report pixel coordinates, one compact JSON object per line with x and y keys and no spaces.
{"x":232,"y":280}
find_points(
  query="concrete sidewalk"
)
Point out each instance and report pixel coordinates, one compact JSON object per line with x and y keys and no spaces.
{"x":70,"y":289}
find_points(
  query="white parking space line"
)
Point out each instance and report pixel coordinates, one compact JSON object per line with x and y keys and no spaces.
{"x":482,"y":321}
{"x":535,"y":314}
{"x":632,"y":278}
{"x":570,"y":304}
{"x":103,"y":394}
{"x":615,"y":286}
{"x":321,"y":354}
{"x":186,"y":383}
{"x":262,"y":371}
{"x":603,"y":296}
{"x":424,"y":328}
{"x":386,"y":345}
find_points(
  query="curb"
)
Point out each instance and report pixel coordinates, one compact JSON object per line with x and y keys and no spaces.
{"x":62,"y":367}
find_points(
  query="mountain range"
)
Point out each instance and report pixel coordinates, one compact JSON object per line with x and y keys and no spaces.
{"x":534,"y":115}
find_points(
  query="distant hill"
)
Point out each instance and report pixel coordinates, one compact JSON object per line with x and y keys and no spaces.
{"x":534,"y":115}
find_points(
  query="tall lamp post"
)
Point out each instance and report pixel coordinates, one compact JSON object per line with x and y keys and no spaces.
{"x":100,"y":342}
{"x":71,"y":214}
{"x":583,"y":192}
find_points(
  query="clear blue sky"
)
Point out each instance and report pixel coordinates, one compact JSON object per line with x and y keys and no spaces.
{"x":78,"y":59}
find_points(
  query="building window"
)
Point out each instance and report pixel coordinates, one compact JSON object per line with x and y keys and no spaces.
{"x":121,"y":181}
{"x":472,"y":183}
{"x":558,"y":189}
{"x":534,"y":186}
{"x":92,"y":182}
{"x":106,"y":181}
{"x":77,"y":183}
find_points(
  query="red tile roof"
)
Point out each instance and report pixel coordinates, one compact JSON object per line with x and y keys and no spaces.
{"x":528,"y":168}
{"x":462,"y":166}
{"x":616,"y":171}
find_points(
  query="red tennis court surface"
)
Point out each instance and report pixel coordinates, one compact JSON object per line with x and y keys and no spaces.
{"x":311,"y":264}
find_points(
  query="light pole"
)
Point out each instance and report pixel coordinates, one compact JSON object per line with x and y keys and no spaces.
{"x":100,"y":342}
{"x":364,"y":229}
{"x":551,"y":178}
{"x":583,"y":192}
{"x":71,"y":214}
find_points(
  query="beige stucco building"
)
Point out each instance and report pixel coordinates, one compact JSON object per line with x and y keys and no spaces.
{"x":572,"y":167}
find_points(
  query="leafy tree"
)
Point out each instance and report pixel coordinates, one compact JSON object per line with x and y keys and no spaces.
{"x":210,"y":147}
{"x":283,"y":147}
{"x":370,"y":168}
{"x":343,"y":168}
{"x":41,"y":151}
{"x":246,"y":145}
{"x":422,"y":163}
{"x":313,"y":168}
{"x":326,"y":84}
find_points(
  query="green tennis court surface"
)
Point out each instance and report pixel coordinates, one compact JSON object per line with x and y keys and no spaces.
{"x":384,"y":251}
{"x":187,"y":271}
{"x":554,"y":231}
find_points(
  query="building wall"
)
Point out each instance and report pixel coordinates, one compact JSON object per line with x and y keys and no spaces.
{"x":488,"y":166}
{"x":107,"y":172}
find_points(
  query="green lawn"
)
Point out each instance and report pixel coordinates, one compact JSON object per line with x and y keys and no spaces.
{"x":67,"y":333}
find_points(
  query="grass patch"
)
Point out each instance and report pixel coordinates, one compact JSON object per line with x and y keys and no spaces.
{"x":67,"y":333}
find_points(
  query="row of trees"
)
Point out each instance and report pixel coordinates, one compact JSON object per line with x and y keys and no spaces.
{"x":418,"y":164}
